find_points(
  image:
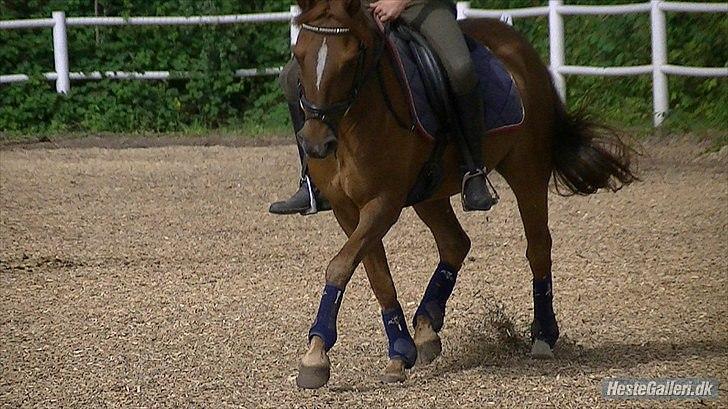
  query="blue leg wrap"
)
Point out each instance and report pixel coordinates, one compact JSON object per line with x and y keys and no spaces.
{"x":401,"y":345}
{"x":438,"y":291}
{"x":325,"y":324}
{"x":544,"y":325}
{"x":543,"y":299}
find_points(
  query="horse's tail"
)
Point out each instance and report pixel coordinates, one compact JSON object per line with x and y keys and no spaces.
{"x":588,"y":156}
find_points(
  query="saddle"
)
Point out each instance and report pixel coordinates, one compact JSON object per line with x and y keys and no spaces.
{"x":431,"y":105}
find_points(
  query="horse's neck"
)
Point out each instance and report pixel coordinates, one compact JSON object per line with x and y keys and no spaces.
{"x":374,"y":124}
{"x":374,"y":145}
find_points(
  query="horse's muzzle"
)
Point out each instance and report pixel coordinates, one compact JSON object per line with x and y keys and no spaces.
{"x":318,"y":150}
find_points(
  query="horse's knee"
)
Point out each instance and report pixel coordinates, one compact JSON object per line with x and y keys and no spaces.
{"x":338,"y":272}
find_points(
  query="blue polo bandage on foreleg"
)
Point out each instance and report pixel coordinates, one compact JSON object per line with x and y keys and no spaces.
{"x":543,"y":299}
{"x":325,"y":324}
{"x":438,"y":291}
{"x":401,"y":345}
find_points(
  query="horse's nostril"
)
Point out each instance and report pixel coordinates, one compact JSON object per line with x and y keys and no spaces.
{"x":319,"y":150}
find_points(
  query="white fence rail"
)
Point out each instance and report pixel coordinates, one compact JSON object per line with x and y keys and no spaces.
{"x":62,"y":75}
{"x":555,"y":11}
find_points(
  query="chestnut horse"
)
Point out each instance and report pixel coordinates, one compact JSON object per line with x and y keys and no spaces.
{"x":365,"y":163}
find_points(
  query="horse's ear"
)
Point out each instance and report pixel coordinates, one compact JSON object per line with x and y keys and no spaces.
{"x":306,"y":5}
{"x":353,"y":6}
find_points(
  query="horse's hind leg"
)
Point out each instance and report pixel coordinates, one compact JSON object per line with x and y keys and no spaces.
{"x":453,"y":246}
{"x":528,"y":177}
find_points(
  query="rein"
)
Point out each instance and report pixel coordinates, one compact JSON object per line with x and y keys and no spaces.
{"x":332,"y":114}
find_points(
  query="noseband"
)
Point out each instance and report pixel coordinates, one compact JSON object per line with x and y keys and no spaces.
{"x":332,"y":114}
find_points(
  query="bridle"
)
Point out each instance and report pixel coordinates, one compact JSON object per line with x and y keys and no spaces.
{"x":332,"y":114}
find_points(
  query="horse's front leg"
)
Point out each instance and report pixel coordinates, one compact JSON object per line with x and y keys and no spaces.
{"x":365,"y":228}
{"x":402,"y":349}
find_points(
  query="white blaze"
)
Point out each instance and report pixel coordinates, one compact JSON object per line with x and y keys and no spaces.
{"x":323,"y":55}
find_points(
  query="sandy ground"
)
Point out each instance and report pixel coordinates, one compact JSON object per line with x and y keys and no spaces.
{"x":156,"y":277}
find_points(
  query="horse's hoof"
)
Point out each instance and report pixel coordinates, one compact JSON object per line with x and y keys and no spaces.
{"x":395,"y":372}
{"x":428,"y":350}
{"x":541,"y":350}
{"x":428,"y":343}
{"x":313,"y":377}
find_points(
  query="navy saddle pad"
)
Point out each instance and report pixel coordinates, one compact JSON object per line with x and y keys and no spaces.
{"x":503,"y":105}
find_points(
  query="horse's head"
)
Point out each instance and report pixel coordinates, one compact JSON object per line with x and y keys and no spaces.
{"x":332,"y":51}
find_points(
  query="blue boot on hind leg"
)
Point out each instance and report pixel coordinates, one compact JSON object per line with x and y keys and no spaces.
{"x":430,"y":315}
{"x":544,"y":328}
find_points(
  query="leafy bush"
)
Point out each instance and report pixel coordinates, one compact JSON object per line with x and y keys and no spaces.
{"x":213,"y":98}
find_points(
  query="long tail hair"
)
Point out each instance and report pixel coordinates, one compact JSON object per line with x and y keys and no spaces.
{"x":588,"y":156}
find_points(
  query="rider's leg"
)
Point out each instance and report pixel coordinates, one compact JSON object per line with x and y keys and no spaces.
{"x":307,"y":200}
{"x":476,"y":195}
{"x":438,"y":25}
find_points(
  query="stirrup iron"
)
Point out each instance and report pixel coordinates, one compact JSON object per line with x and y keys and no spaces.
{"x":474,"y":174}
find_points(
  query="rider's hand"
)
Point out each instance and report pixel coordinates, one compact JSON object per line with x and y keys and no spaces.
{"x":388,"y":10}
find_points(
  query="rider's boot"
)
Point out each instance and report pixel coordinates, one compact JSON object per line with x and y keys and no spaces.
{"x":307,"y":200}
{"x":475,"y":192}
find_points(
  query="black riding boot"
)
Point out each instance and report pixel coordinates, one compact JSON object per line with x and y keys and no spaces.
{"x":475,"y":192}
{"x":307,"y":200}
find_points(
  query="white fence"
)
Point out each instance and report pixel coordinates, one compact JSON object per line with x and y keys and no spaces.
{"x":659,"y":68}
{"x":555,"y":11}
{"x":63,"y":76}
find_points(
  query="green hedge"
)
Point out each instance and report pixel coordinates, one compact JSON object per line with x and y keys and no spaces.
{"x":218,"y":100}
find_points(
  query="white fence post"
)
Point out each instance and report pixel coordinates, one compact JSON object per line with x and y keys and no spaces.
{"x":463,"y":7}
{"x":660,"y":91}
{"x":556,"y":46}
{"x":60,"y":52}
{"x":295,"y":29}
